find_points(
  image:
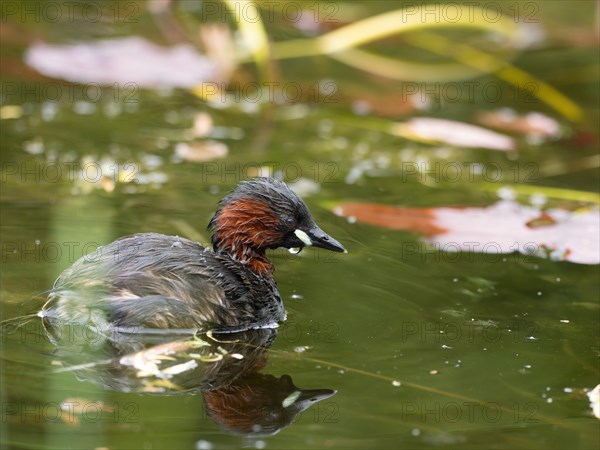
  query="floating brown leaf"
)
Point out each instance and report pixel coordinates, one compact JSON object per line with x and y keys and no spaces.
{"x":533,"y":124}
{"x":503,"y":227}
{"x":454,"y":133}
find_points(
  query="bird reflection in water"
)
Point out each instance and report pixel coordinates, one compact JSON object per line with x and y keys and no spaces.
{"x":224,"y":368}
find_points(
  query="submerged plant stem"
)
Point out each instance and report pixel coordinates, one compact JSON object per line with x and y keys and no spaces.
{"x":379,"y":27}
{"x":486,"y":63}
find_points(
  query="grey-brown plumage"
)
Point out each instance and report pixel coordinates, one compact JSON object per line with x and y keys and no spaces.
{"x":156,"y":281}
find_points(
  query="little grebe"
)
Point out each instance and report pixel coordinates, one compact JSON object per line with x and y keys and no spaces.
{"x":155,"y":281}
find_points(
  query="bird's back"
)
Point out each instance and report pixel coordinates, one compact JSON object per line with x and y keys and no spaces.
{"x":157,"y":281}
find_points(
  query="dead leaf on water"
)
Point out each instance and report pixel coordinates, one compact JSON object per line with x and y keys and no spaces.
{"x":201,"y":151}
{"x":453,"y":133}
{"x":536,"y":126}
{"x":130,"y":61}
{"x":504,"y":227}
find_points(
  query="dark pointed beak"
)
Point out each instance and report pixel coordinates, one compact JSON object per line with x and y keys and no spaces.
{"x":321,"y":239}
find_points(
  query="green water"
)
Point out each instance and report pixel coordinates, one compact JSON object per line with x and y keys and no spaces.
{"x":425,"y":349}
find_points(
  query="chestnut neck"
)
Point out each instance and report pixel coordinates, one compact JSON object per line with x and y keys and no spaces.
{"x":243,"y":229}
